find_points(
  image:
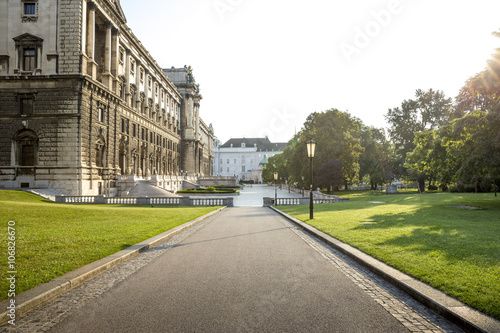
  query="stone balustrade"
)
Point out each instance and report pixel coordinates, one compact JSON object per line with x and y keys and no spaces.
{"x":300,"y":201}
{"x":155,"y":201}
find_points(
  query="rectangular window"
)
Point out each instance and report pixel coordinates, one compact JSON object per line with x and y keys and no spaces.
{"x":27,"y":155}
{"x":142,"y":75}
{"x":29,"y":60}
{"x":143,"y":133}
{"x":242,"y":168}
{"x":132,"y":66}
{"x":123,"y":125}
{"x":26,"y":106}
{"x":133,"y":130}
{"x":227,"y":161}
{"x":30,"y":9}
{"x":122,"y":56}
{"x":100,"y":116}
{"x":227,"y":169}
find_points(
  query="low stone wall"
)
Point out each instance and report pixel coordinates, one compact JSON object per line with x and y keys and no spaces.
{"x":156,"y":201}
{"x":300,"y":201}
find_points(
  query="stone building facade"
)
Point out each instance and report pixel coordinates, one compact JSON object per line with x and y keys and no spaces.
{"x":84,"y":107}
{"x":245,"y":158}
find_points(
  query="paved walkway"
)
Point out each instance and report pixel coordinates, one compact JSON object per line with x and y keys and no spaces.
{"x":246,"y":269}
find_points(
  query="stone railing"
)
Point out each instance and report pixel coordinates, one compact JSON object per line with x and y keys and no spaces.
{"x":300,"y":201}
{"x":158,"y":201}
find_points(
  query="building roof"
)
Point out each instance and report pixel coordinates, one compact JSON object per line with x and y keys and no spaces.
{"x":263,"y":144}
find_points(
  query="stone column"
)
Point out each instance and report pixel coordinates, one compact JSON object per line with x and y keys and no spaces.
{"x":38,"y":68}
{"x":146,"y":92}
{"x":138,"y":86}
{"x":127,"y":77}
{"x":108,"y":79}
{"x":92,"y":65}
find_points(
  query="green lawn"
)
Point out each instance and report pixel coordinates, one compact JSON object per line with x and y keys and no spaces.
{"x":53,"y":239}
{"x":455,"y":250}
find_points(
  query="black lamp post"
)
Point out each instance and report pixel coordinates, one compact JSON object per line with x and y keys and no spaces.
{"x":275,"y":188}
{"x":311,"y":149}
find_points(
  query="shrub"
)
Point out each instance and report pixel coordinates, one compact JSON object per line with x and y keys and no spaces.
{"x":211,"y":189}
{"x":485,"y":185}
{"x":433,"y":188}
{"x":454,"y":189}
{"x":469,"y":188}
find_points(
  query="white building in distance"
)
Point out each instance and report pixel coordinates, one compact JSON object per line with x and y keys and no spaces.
{"x":244,"y":157}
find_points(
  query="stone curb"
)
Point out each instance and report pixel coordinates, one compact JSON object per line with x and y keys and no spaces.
{"x":36,"y":296}
{"x":457,"y":312}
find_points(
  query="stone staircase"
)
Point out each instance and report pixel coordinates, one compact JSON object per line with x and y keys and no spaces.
{"x":145,"y":189}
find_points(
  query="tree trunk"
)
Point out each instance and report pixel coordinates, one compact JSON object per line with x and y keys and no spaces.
{"x":421,"y":185}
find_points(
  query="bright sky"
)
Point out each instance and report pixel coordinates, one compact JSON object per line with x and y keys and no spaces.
{"x":264,"y":65}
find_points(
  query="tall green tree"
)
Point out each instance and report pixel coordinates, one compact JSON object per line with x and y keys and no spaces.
{"x":337,"y":136}
{"x":330,"y":175}
{"x":374,"y":161}
{"x":277,"y":163}
{"x":428,"y":111}
{"x":428,"y":161}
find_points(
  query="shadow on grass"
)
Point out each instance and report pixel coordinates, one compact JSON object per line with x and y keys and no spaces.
{"x":456,"y":233}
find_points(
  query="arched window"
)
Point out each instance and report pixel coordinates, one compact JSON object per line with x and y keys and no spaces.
{"x":26,"y":148}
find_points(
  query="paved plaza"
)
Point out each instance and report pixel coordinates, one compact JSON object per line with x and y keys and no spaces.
{"x":251,"y":195}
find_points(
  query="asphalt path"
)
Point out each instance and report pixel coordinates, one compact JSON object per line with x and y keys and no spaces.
{"x":245,"y":271}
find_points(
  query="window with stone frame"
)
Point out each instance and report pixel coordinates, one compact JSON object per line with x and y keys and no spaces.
{"x":29,"y":10}
{"x":28,"y":48}
{"x":141,"y":75}
{"x":132,"y":66}
{"x":122,"y":56}
{"x":26,"y":104}
{"x":26,"y":143}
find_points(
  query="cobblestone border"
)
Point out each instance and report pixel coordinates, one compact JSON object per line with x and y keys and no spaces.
{"x":457,"y":312}
{"x":35,"y":297}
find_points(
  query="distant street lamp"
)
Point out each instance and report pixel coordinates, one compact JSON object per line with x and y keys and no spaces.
{"x":311,"y":150}
{"x":303,"y":185}
{"x":275,"y":188}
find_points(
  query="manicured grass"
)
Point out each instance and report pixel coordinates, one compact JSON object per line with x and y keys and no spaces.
{"x":53,"y":239}
{"x":455,"y":250}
